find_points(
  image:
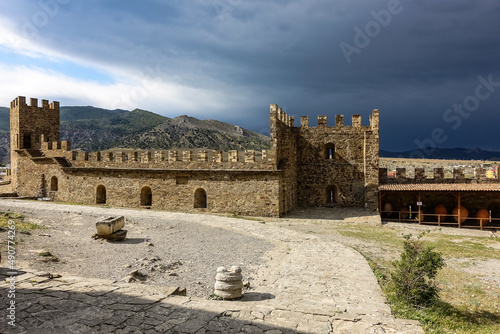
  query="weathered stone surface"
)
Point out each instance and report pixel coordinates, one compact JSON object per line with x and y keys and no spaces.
{"x":292,"y":173}
{"x":228,"y":283}
{"x":110,"y":225}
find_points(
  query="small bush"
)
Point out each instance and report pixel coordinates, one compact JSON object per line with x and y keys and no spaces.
{"x":414,"y":274}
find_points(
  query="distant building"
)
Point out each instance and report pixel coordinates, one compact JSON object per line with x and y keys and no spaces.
{"x":492,"y":173}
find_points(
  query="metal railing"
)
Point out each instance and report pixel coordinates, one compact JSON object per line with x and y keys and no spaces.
{"x":420,"y":217}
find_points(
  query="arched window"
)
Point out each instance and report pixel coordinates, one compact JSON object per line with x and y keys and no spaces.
{"x":330,"y":151}
{"x":54,"y":184}
{"x":146,"y":196}
{"x":200,"y":198}
{"x":100,"y":196}
{"x":331,"y":195}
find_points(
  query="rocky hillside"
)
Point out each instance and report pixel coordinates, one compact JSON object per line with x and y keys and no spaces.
{"x":93,"y":129}
{"x":189,"y":132}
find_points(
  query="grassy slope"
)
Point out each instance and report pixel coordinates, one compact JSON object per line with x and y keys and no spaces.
{"x":469,"y":304}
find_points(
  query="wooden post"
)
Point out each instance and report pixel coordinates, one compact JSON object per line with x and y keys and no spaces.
{"x":419,"y":210}
{"x":459,"y":217}
{"x":380,"y":204}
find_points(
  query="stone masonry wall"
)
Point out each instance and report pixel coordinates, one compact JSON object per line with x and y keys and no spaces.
{"x":294,"y":172}
{"x":338,"y":165}
{"x":284,"y":156}
{"x":240,"y":192}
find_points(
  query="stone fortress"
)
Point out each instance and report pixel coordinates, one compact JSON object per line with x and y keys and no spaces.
{"x":306,"y":166}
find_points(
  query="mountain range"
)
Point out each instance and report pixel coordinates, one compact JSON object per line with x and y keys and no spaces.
{"x":92,"y":129}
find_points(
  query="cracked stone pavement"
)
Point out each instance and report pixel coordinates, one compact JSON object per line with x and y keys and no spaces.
{"x":307,"y":285}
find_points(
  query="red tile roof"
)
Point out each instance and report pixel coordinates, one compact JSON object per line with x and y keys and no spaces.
{"x":441,"y":187}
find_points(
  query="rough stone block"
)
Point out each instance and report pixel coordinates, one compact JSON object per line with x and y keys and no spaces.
{"x":439,"y":173}
{"x":202,"y":155}
{"x":480,"y":173}
{"x":458,"y":174}
{"x":339,"y":120}
{"x":356,"y":121}
{"x":65,"y":145}
{"x":159,"y":156}
{"x":146,"y":156}
{"x":233,"y":156}
{"x":217,"y":156}
{"x":120,"y":157}
{"x":187,"y":156}
{"x":304,"y":121}
{"x":119,"y":235}
{"x":96,"y":156}
{"x":322,"y":121}
{"x":133,"y":156}
{"x":419,"y":174}
{"x":249,"y":156}
{"x":110,"y":225}
{"x":173,"y":156}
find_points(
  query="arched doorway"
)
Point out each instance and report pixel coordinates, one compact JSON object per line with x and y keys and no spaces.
{"x":331,"y":195}
{"x":54,"y":184}
{"x":146,"y":196}
{"x":100,"y":196}
{"x":200,"y":198}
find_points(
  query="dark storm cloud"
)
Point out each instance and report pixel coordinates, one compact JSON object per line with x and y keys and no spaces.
{"x":423,"y":58}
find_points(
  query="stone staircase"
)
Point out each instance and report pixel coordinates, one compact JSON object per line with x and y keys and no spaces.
{"x":63,"y":162}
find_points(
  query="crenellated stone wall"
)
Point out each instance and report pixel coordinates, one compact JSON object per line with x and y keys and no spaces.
{"x":302,"y":167}
{"x":438,"y":176}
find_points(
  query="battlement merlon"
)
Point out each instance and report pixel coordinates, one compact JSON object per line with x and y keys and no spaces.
{"x":278,"y":114}
{"x":160,"y":157}
{"x":375,"y":120}
{"x":20,"y":101}
{"x":439,"y":175}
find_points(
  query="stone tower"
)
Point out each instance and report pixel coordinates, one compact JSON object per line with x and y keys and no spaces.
{"x":338,"y":165}
{"x":30,"y":125}
{"x":325,"y":165}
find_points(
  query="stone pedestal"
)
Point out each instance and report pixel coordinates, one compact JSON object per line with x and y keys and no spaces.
{"x":228,"y":283}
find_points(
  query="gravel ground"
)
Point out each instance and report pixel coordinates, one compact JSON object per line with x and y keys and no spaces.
{"x":170,"y":249}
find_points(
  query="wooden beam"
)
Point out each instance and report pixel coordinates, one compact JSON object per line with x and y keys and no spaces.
{"x":419,"y":210}
{"x":459,"y":216}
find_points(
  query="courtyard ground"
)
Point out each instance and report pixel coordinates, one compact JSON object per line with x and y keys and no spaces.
{"x":303,"y":272}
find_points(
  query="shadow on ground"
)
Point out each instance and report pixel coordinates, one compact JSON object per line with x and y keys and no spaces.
{"x":47,"y":309}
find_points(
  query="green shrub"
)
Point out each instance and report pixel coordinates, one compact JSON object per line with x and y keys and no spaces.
{"x":414,"y":274}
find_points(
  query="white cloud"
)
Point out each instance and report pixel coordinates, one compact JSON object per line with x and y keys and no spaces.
{"x":148,"y":93}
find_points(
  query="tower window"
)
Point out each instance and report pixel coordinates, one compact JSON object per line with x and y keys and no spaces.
{"x":329,"y":151}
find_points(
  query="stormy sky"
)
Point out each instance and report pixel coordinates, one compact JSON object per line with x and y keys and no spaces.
{"x":431,"y":67}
